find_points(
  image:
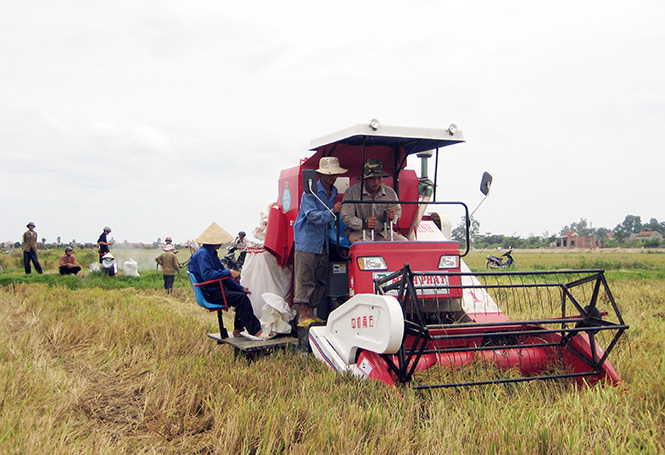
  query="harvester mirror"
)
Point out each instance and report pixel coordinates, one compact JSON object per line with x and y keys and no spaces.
{"x":486,"y":183}
{"x":309,"y":180}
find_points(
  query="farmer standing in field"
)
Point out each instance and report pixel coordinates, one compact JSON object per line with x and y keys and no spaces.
{"x":170,"y":266}
{"x":30,"y":249}
{"x":103,"y":243}
{"x":311,"y":240}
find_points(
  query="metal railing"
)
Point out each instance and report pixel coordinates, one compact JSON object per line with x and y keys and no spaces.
{"x":547,"y":311}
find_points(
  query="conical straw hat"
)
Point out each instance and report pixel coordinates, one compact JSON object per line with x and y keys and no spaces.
{"x":214,"y":235}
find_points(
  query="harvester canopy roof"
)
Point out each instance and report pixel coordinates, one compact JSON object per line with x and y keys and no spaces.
{"x":390,"y":144}
{"x":413,"y":139}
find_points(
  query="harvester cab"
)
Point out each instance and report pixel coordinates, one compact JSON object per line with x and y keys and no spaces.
{"x":412,"y":311}
{"x":353,"y":268}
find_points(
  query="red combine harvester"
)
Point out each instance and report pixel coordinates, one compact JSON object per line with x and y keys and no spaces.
{"x":413,"y":312}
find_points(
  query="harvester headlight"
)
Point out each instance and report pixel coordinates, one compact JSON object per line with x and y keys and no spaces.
{"x":452,"y":129}
{"x":448,"y":262}
{"x":372,"y":263}
{"x":374,"y":124}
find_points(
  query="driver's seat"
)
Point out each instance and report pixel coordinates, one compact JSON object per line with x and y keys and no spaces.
{"x":200,"y":299}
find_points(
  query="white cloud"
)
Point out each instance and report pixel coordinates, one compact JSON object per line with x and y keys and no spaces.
{"x":126,"y":109}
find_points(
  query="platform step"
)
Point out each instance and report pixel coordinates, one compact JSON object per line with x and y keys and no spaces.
{"x":245,"y":344}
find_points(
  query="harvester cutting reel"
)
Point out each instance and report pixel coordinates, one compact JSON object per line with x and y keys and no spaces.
{"x":551,"y":325}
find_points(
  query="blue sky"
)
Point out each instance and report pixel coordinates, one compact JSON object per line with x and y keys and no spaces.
{"x":157,"y":118}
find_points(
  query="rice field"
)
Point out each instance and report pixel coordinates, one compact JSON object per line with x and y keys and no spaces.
{"x":91,"y":365}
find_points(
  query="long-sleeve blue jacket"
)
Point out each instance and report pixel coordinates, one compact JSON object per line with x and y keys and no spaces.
{"x":206,"y":266}
{"x":310,"y":231}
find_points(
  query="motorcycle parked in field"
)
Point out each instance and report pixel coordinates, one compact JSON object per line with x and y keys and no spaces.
{"x":496,"y":262}
{"x":230,"y":262}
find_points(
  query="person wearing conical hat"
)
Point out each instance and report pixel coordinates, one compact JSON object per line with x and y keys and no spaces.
{"x":311,"y":240}
{"x":30,"y":249}
{"x":206,"y":266}
{"x":374,"y":219}
{"x":109,"y":265}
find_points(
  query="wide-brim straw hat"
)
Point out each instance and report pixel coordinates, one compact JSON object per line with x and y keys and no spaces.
{"x":330,"y":166}
{"x":168,"y":247}
{"x":214,"y":235}
{"x":108,"y":256}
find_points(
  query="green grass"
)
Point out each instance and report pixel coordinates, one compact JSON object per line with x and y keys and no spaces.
{"x":114,"y":365}
{"x":618,"y":265}
{"x":151,"y":279}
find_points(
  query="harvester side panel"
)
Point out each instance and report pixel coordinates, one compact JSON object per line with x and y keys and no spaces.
{"x":282,"y":216}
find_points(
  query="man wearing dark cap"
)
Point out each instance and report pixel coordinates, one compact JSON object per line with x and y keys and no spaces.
{"x":30,"y":249}
{"x":103,"y":243}
{"x":372,"y":219}
{"x":68,"y":262}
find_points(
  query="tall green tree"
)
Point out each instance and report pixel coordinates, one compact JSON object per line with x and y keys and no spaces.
{"x":581,"y":227}
{"x":459,"y":233}
{"x":653,"y":225}
{"x":632,"y":224}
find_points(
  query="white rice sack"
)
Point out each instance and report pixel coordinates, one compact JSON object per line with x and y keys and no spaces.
{"x":277,"y":302}
{"x":262,"y":274}
{"x":131,"y":268}
{"x":259,"y":234}
{"x":273,"y":321}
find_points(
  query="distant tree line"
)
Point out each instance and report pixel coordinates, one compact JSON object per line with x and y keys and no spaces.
{"x":621,"y":236}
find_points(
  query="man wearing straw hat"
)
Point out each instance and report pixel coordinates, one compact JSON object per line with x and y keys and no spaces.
{"x":311,"y":240}
{"x":206,"y":266}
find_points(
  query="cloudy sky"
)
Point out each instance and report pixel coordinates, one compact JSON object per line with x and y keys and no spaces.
{"x":159,"y":117}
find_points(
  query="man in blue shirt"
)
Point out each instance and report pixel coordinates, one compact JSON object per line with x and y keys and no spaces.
{"x":311,"y":240}
{"x":206,"y":266}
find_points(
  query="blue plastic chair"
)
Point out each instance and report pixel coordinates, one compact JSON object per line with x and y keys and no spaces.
{"x":200,"y":299}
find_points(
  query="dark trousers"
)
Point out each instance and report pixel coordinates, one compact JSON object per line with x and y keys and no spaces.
{"x":310,"y":277}
{"x":31,"y":256}
{"x":64,"y":270}
{"x":168,"y":283}
{"x":245,"y":317}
